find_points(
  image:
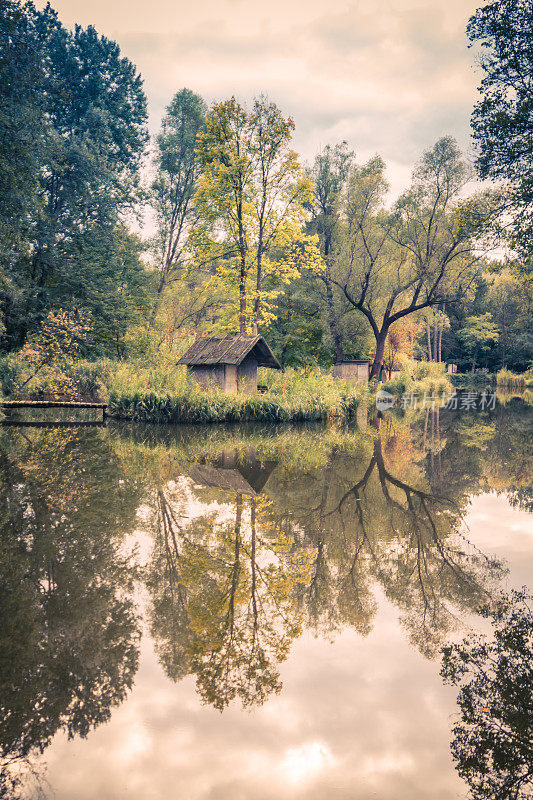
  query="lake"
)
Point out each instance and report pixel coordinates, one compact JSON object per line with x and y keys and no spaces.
{"x":227,"y":612}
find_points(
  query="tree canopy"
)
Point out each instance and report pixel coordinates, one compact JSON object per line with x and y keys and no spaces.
{"x":502,"y":121}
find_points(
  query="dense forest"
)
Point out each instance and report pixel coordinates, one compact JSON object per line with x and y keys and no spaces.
{"x":238,"y":235}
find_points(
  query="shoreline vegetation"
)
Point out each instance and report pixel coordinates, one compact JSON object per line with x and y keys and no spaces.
{"x":165,"y":394}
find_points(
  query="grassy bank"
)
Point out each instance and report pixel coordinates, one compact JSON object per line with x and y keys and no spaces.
{"x":510,"y":380}
{"x":163,"y":393}
{"x":291,"y":396}
{"x":473,"y":380}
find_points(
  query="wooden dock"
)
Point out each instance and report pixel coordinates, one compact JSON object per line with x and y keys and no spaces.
{"x":51,"y":412}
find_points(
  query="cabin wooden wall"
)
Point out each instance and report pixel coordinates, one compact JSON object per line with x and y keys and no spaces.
{"x":209,"y":376}
{"x":231,"y":383}
{"x":351,"y":371}
{"x":247,"y":376}
{"x":228,"y":377}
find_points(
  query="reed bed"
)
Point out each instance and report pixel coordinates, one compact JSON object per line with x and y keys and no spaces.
{"x":510,"y":380}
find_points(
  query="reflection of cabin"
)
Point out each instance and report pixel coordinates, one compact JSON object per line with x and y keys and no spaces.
{"x":357,"y":370}
{"x":229,"y":364}
{"x":231,"y":473}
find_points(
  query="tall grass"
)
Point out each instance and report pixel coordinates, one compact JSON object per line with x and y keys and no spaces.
{"x":473,"y":380}
{"x":419,"y":377}
{"x":291,"y":396}
{"x":164,"y":393}
{"x":511,"y":380}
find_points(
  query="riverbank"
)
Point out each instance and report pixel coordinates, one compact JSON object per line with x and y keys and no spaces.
{"x":504,"y":379}
{"x":159,"y":394}
{"x":290,"y":396}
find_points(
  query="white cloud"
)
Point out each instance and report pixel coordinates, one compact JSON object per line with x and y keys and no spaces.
{"x":390,"y":76}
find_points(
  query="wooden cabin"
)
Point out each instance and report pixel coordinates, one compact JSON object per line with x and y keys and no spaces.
{"x":230,"y":363}
{"x":357,"y":370}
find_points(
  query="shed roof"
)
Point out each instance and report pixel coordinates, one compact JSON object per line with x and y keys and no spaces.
{"x":353,"y":361}
{"x":236,"y":480}
{"x":210,"y":351}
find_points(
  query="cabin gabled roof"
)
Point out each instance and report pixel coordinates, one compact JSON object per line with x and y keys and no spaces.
{"x":210,"y":351}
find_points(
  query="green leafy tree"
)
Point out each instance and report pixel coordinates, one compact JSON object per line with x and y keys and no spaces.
{"x":502,"y":121}
{"x":21,"y":145}
{"x":478,"y":335}
{"x":330,"y":175}
{"x":89,"y":125}
{"x":493,"y":741}
{"x":390,"y":265}
{"x":174,"y":185}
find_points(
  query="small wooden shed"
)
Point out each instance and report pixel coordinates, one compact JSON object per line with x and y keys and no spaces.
{"x":229,"y":363}
{"x":356,"y":370}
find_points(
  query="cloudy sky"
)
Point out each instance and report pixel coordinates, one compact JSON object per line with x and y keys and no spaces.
{"x":389,"y":76}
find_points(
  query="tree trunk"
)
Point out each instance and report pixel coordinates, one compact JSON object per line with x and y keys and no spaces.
{"x":332,"y":320}
{"x":242,"y":295}
{"x":381,"y":340}
{"x":474,"y":361}
{"x":435,"y":329}
{"x":441,"y":328}
{"x":428,"y":332}
{"x":504,"y":331}
{"x":257,"y":301}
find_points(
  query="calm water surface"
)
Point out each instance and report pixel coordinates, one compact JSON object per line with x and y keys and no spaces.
{"x":249,"y":613}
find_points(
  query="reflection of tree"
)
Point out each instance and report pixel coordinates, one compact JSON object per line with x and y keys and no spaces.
{"x":384,"y":509}
{"x":68,"y":634}
{"x":224,"y":599}
{"x":482,"y":452}
{"x":386,"y":525}
{"x":493,"y":741}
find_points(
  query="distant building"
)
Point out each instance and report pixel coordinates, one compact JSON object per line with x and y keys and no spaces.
{"x":357,"y":370}
{"x":229,"y":364}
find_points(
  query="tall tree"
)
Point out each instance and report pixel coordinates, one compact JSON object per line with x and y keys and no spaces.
{"x":393,"y":264}
{"x":251,"y":197}
{"x":91,"y":134}
{"x":502,"y":121}
{"x":478,"y":335}
{"x":330,"y":174}
{"x":174,"y":184}
{"x":21,"y":144}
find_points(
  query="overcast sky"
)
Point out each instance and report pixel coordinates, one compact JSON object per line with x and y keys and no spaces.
{"x":389,"y":76}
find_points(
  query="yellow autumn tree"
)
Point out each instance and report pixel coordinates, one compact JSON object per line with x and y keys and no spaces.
{"x":251,"y":201}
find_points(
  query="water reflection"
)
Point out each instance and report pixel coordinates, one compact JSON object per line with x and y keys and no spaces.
{"x":255,"y":535}
{"x":224,"y":599}
{"x":68,"y":633}
{"x":492,"y":743}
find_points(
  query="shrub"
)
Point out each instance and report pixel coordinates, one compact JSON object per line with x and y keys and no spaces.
{"x":419,"y":377}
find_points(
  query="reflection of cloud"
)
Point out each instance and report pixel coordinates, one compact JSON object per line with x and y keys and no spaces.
{"x":357,"y":718}
{"x":302,"y":764}
{"x":391,"y":76}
